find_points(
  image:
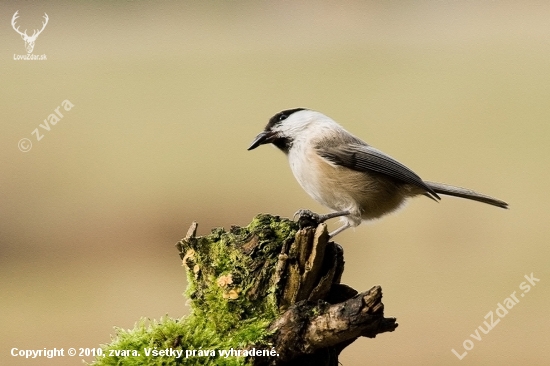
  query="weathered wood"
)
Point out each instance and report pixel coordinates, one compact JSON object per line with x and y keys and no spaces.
{"x":316,"y":316}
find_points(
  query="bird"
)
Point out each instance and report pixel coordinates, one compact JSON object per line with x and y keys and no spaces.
{"x":345,"y":174}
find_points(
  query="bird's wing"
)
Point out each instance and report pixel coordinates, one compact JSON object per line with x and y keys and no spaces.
{"x":365,"y":158}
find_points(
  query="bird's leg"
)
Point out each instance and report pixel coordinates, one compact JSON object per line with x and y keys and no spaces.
{"x":308,"y":218}
{"x":347,"y":225}
{"x":332,"y":215}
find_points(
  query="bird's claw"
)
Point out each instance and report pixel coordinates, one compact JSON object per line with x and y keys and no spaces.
{"x":307,"y":218}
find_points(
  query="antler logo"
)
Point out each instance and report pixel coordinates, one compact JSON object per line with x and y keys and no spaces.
{"x":29,"y":40}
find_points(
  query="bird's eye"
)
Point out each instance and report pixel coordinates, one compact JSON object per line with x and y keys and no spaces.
{"x":282,"y":117}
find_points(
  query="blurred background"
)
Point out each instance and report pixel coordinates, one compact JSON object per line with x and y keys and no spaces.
{"x":167,"y":98}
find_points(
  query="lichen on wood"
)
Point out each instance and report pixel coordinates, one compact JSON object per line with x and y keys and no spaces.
{"x":268,"y":286}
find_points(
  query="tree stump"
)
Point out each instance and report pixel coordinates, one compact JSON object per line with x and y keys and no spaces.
{"x":265,"y":294}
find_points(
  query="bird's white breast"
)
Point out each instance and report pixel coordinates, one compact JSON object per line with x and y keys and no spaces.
{"x":319,"y":178}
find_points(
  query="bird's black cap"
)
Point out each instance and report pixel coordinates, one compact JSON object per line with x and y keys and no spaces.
{"x":281,"y":116}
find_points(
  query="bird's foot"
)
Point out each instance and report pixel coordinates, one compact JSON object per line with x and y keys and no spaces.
{"x":307,"y":218}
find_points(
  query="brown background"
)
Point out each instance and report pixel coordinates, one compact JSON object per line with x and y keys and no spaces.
{"x":167,"y":98}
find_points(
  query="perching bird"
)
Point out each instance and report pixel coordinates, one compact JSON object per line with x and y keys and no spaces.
{"x":343,"y":173}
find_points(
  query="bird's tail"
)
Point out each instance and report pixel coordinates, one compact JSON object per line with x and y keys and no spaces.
{"x":465,"y":193}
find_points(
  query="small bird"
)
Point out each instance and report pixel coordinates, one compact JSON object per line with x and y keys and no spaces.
{"x":344,"y":173}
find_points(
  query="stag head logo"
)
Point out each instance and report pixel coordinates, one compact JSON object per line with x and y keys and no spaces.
{"x":29,"y":40}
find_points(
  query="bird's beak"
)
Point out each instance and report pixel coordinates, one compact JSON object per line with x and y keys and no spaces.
{"x":263,"y":138}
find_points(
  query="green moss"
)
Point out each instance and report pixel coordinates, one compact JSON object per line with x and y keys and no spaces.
{"x":232,"y":296}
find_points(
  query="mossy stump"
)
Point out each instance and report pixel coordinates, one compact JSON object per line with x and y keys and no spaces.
{"x":271,"y":290}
